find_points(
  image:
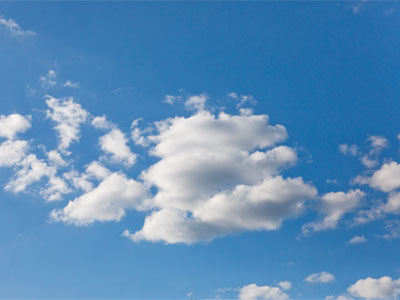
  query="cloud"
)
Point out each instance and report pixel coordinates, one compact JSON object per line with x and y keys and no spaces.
{"x":102,"y":123}
{"x":115,"y":144}
{"x":12,"y":152}
{"x":253,"y":292}
{"x":322,"y":277}
{"x":68,"y":115}
{"x":171,"y":99}
{"x":387,"y":178}
{"x":49,"y":80}
{"x":346,"y":149}
{"x":15,"y":30}
{"x":31,"y":170}
{"x":107,"y":202}
{"x":378,"y":143}
{"x":215,"y":177}
{"x":54,"y":157}
{"x":334,"y":206}
{"x":12,"y":124}
{"x":70,"y":84}
{"x":392,"y":228}
{"x":341,"y":297}
{"x":380,"y":288}
{"x":357,"y":240}
{"x":138,"y":134}
{"x":242,"y":99}
{"x":196,"y":102}
{"x":285,"y":285}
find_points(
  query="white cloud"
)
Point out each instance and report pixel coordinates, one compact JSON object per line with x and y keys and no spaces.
{"x":387,"y":178}
{"x":68,"y":115}
{"x":346,"y":149}
{"x":378,"y":143}
{"x":322,"y":277}
{"x":369,"y":162}
{"x":380,"y":288}
{"x":12,"y":124}
{"x":357,"y":240}
{"x":115,"y":143}
{"x":107,"y":202}
{"x":15,"y":30}
{"x":334,"y":206}
{"x":196,"y":102}
{"x":12,"y":152}
{"x":102,"y":123}
{"x":242,"y":99}
{"x":138,"y":134}
{"x":83,"y":181}
{"x":285,"y":285}
{"x":31,"y":170}
{"x":54,"y":157}
{"x":214,"y":178}
{"x":253,"y":292}
{"x":49,"y":80}
{"x":171,"y":99}
{"x":70,"y":84}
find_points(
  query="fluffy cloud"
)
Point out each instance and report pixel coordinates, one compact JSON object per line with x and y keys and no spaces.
{"x":196,"y":102}
{"x":107,"y":202}
{"x":214,"y":178}
{"x":115,"y":144}
{"x":12,"y":124}
{"x":380,"y":288}
{"x":387,"y":178}
{"x":15,"y":30}
{"x":68,"y":116}
{"x":322,"y":277}
{"x":253,"y":292}
{"x":31,"y":170}
{"x":101,"y":123}
{"x":334,"y":206}
{"x":12,"y":152}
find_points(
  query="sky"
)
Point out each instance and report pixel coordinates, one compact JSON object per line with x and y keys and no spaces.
{"x":200,"y":150}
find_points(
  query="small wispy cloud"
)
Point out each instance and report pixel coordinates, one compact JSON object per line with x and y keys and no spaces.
{"x":70,"y":84}
{"x":357,"y":240}
{"x":49,"y":80}
{"x":15,"y":30}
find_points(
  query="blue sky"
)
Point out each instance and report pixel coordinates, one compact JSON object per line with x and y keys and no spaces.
{"x":199,"y":150}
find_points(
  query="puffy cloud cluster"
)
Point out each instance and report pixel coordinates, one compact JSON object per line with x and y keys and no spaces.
{"x":254,"y":292}
{"x":385,"y":179}
{"x":216,"y":174}
{"x":383,"y":288}
{"x":108,"y":201}
{"x":219,"y":175}
{"x":379,"y":288}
